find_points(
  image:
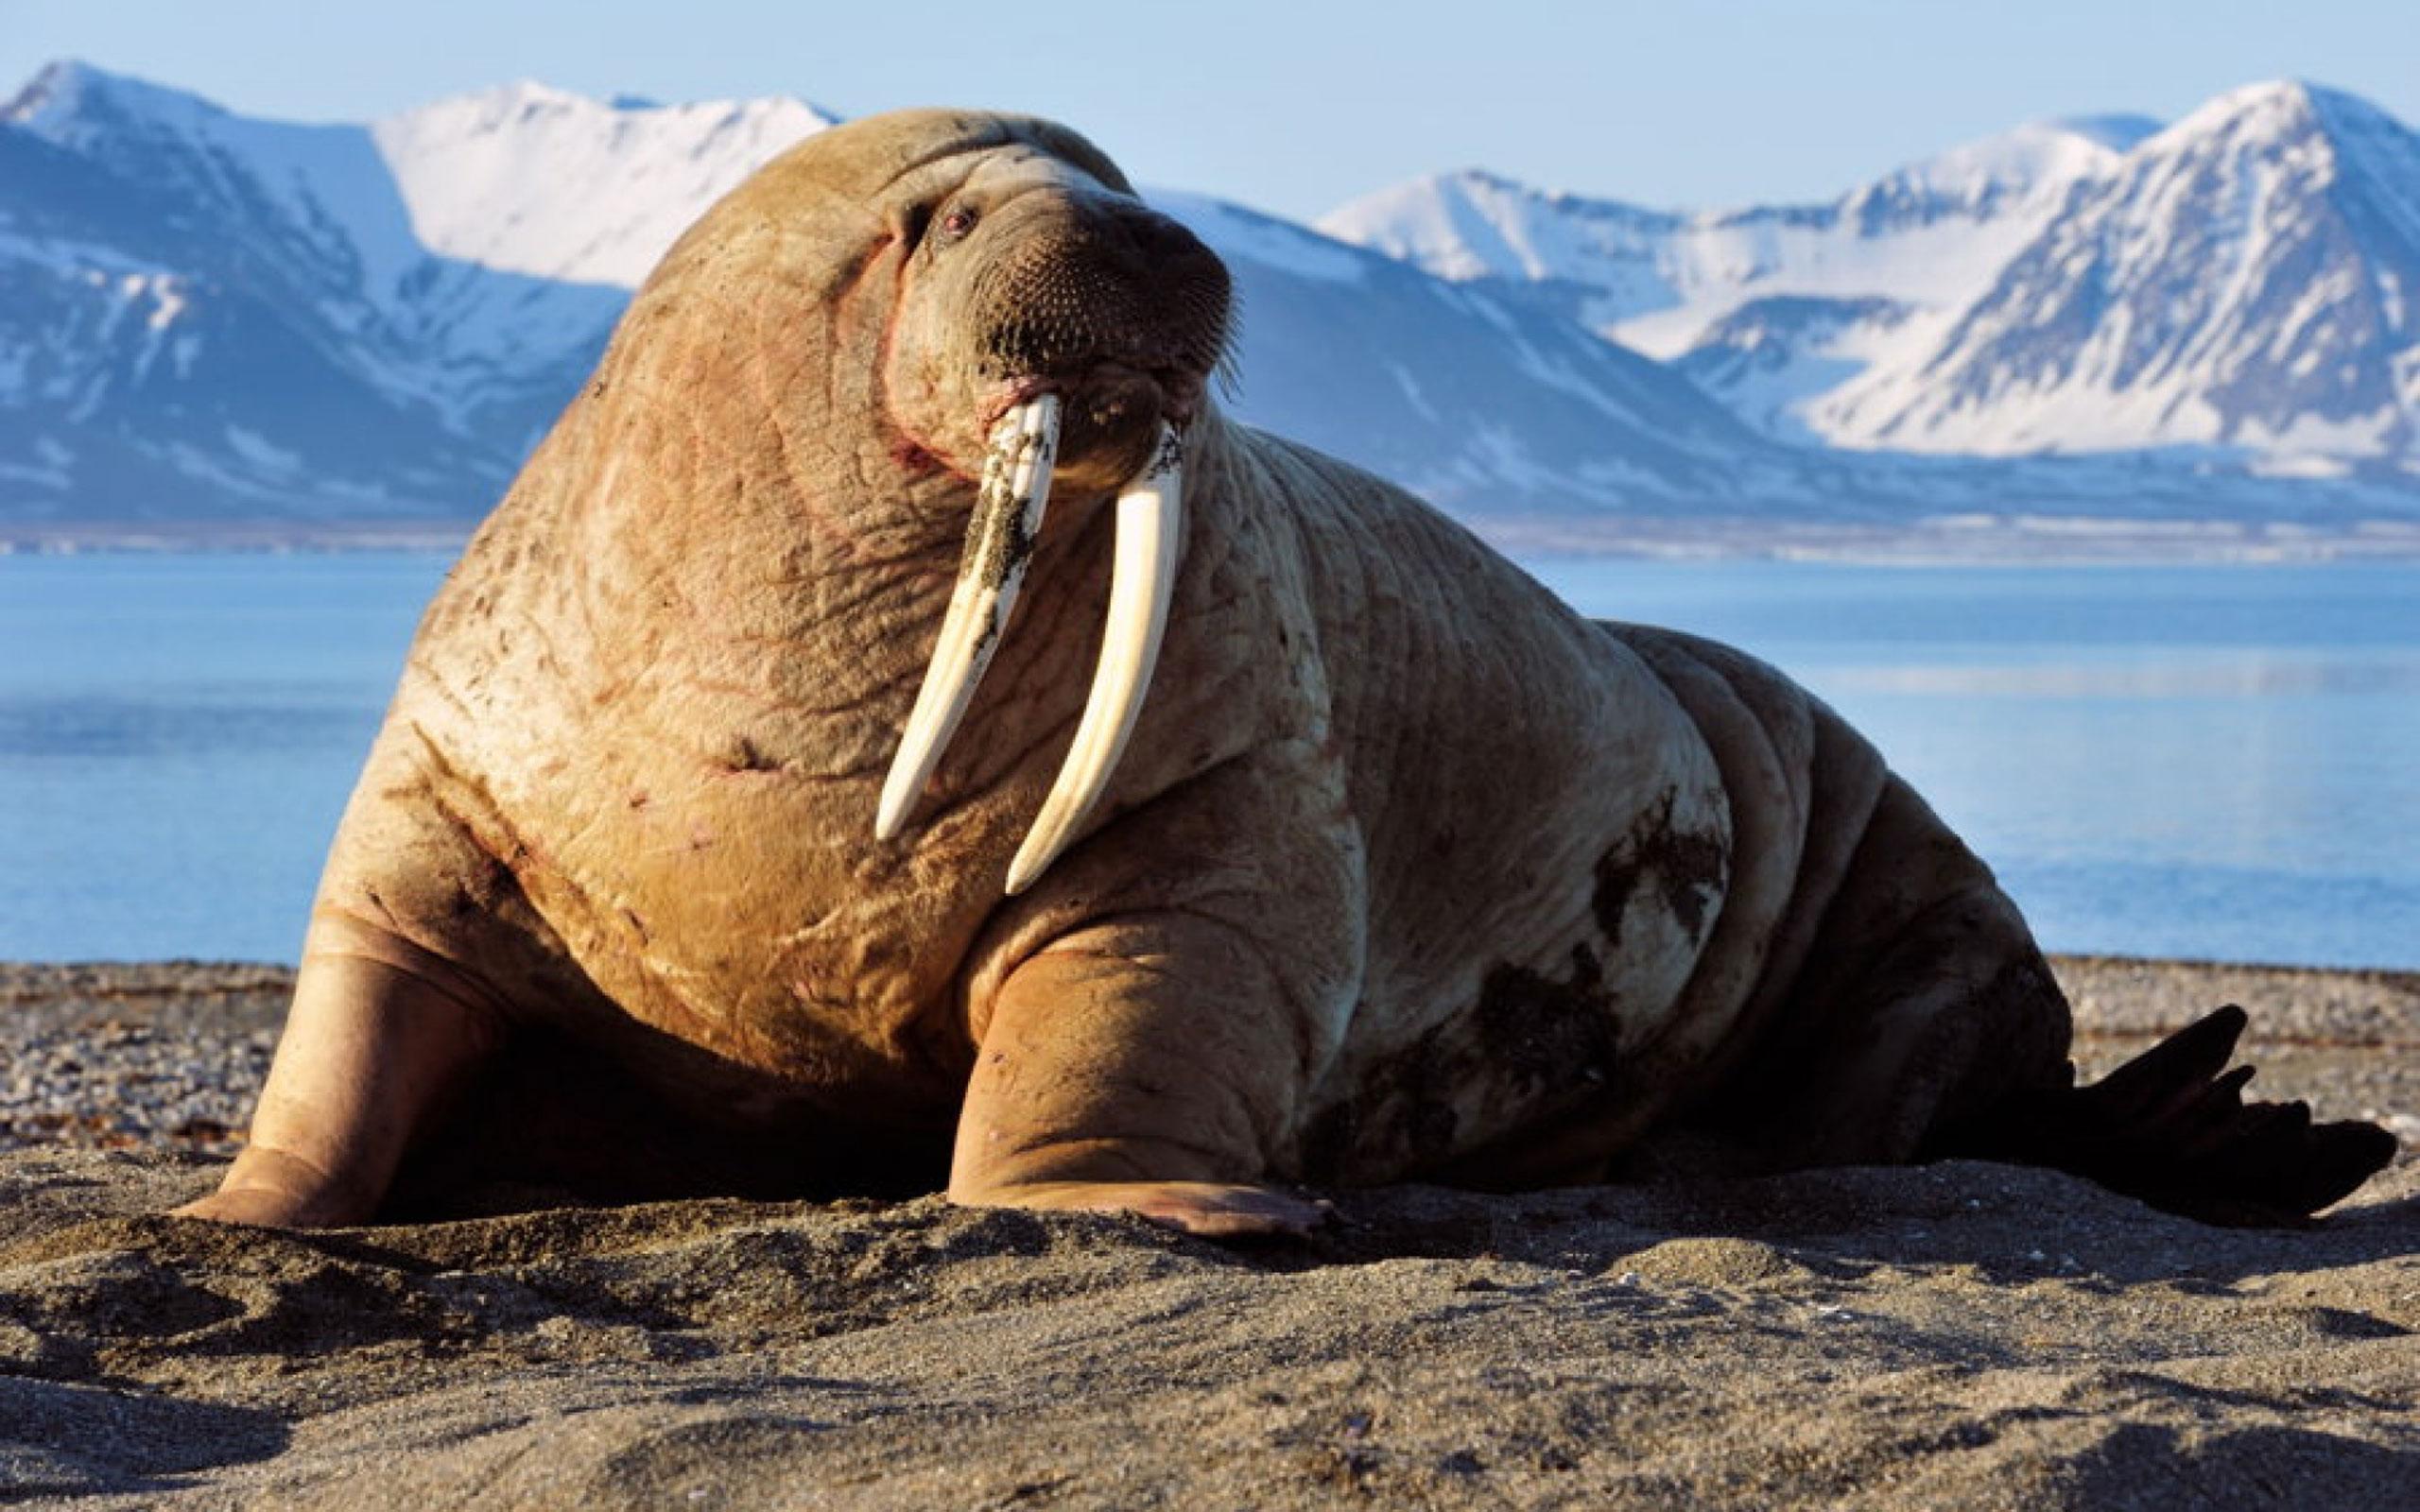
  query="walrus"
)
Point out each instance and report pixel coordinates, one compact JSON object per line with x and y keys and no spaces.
{"x":897,"y":718}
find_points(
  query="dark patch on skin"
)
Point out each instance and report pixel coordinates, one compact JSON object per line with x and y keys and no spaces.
{"x":1541,"y":1042}
{"x":1407,"y":1103}
{"x":1689,"y":871}
{"x":1553,"y":1038}
{"x":914,"y":459}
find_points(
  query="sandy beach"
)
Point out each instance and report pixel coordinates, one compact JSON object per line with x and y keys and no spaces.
{"x":1959,"y":1335}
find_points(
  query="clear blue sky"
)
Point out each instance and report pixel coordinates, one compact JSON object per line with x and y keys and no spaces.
{"x":1295,"y":105}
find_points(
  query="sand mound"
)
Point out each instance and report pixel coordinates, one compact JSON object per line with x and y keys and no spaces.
{"x":1959,"y":1336}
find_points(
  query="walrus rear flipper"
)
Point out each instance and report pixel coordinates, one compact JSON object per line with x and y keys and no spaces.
{"x":2170,"y":1126}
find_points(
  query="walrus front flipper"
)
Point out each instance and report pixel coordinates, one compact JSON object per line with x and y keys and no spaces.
{"x":2170,"y":1126}
{"x":380,"y":1035}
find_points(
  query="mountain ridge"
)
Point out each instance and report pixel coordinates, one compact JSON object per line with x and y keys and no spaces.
{"x":207,"y":316}
{"x":459,"y":278}
{"x":1957,"y":305}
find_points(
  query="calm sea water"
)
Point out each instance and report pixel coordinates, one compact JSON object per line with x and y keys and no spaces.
{"x":2210,"y":762}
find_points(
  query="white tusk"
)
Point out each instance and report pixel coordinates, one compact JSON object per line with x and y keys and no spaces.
{"x":1151,"y":522}
{"x":999,"y":547}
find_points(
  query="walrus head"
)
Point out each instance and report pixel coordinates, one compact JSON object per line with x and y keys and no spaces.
{"x":1052,"y":318}
{"x":1034,"y":273}
{"x":1027,"y":324}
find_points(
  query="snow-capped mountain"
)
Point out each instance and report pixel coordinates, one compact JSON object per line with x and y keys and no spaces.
{"x":2238,"y":284}
{"x":204,"y":312}
{"x":1768,"y":306}
{"x":214,"y":314}
{"x":208,"y":319}
{"x":2249,"y":278}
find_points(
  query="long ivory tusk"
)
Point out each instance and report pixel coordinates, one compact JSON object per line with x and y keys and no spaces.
{"x":1150,"y":519}
{"x":999,"y":547}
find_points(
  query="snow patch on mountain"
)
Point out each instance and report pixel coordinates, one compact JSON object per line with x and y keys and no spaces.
{"x":1773,"y":309}
{"x":308,"y":194}
{"x":530,"y":179}
{"x":1927,"y":236}
{"x":2240,"y":282}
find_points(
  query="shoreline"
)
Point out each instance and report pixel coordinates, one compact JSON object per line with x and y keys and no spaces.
{"x":168,"y":1055}
{"x":166,"y":976}
{"x":1946,"y":541}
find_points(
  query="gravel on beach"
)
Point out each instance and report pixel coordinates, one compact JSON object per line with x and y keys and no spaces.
{"x":169,"y":1055}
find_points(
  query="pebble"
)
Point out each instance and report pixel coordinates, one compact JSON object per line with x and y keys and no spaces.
{"x":94,"y":1060}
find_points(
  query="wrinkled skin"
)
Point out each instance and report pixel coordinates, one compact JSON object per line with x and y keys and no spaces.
{"x":1409,"y":871}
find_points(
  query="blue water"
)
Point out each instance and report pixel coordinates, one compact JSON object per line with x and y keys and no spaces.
{"x":178,"y":736}
{"x":2219,"y":762}
{"x":2211,"y":762}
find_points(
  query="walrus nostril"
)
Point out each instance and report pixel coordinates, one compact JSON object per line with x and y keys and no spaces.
{"x":1163,"y":240}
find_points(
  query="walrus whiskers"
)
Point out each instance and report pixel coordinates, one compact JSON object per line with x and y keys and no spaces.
{"x":1151,"y":522}
{"x":999,"y":547}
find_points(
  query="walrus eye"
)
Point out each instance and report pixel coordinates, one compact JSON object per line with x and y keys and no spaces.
{"x":955,"y":225}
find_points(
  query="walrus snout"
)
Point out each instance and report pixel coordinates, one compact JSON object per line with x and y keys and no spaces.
{"x":1111,"y":305}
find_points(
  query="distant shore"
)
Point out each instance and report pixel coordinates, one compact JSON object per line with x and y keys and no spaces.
{"x":262,"y":537}
{"x":1949,"y":541}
